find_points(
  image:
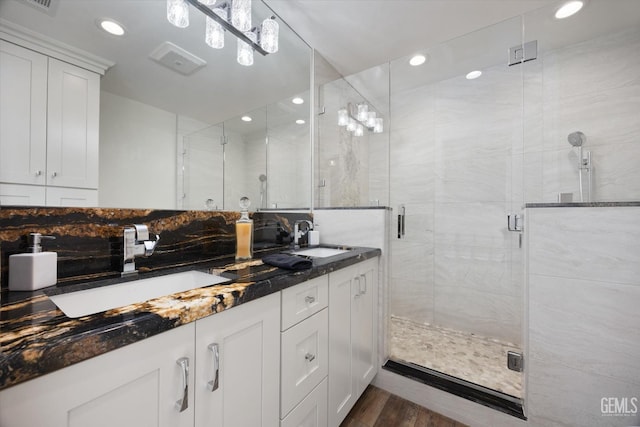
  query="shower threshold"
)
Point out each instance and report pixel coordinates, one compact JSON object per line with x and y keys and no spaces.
{"x":476,"y":393}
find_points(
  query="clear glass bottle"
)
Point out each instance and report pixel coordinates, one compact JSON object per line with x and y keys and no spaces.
{"x":244,"y":232}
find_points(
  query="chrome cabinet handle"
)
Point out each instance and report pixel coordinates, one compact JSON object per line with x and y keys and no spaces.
{"x":357,"y":293}
{"x":309,"y":299}
{"x":38,"y":173}
{"x":215,"y":382}
{"x":183,"y":403}
{"x":54,"y":174}
{"x":309,"y":357}
{"x":364,"y":276}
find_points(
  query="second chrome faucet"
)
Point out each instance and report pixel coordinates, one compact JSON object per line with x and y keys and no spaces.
{"x":136,"y":243}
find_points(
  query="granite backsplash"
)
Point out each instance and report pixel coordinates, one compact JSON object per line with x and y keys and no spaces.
{"x":89,"y":240}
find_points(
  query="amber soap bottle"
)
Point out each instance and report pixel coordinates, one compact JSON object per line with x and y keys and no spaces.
{"x":244,"y":232}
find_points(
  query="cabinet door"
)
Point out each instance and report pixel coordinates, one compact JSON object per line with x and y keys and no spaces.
{"x":22,"y":195}
{"x":135,"y":386}
{"x":364,"y":324}
{"x":72,"y":197}
{"x":23,"y":115}
{"x":342,"y":379}
{"x":72,"y":128}
{"x":241,"y":348}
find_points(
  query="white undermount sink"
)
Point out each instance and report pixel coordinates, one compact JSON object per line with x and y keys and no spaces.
{"x":320,"y":252}
{"x":91,"y":301}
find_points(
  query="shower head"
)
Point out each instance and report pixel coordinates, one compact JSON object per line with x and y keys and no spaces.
{"x":577,"y":138}
{"x":262,"y":177}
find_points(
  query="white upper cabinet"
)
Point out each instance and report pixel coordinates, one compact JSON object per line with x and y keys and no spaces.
{"x":49,"y":120}
{"x":23,"y":115}
{"x":72,"y":126}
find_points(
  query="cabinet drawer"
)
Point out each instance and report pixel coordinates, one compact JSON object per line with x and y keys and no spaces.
{"x":304,"y":362}
{"x":312,"y":411}
{"x":304,"y":300}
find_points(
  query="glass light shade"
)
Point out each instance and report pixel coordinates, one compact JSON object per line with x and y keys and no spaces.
{"x":378,"y":128}
{"x":363,"y":112}
{"x":178,"y":13}
{"x":214,"y":35}
{"x":241,"y":14}
{"x":359,"y":130}
{"x":343,"y":117}
{"x":269,"y":35}
{"x":351,"y":126}
{"x":371,"y":121}
{"x":245,"y":52}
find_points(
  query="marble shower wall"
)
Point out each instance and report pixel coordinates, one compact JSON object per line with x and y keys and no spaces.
{"x":584,"y":288}
{"x":451,"y":144}
{"x":89,"y":240}
{"x":594,"y":87}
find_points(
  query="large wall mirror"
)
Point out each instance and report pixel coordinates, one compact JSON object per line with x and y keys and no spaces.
{"x":174,"y":141}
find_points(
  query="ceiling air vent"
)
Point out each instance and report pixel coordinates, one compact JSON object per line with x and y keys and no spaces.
{"x":46,"y":6}
{"x":177,"y":59}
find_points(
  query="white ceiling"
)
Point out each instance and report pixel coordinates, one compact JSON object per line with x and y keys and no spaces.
{"x":355,"y":35}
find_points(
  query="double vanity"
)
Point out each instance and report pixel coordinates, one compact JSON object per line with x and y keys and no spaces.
{"x":241,"y":344}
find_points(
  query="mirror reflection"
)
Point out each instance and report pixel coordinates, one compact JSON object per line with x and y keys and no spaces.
{"x":156,"y":122}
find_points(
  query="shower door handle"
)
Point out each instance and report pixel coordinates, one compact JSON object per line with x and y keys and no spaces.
{"x":401,"y":217}
{"x":514,"y":222}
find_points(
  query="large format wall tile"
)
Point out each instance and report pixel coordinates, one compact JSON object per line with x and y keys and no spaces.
{"x":471,"y":224}
{"x":492,"y":315}
{"x":562,"y":396}
{"x":595,"y":320}
{"x":600,"y":244}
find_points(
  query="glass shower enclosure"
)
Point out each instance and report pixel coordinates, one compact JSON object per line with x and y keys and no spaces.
{"x":456,"y":283}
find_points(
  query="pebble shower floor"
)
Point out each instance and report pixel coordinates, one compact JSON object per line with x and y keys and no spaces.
{"x":473,"y":358}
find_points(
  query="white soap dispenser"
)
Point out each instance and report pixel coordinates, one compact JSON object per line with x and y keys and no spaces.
{"x":35,"y":269}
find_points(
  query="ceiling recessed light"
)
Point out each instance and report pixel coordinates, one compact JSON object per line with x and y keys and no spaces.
{"x":246,"y":118}
{"x":474,"y":75}
{"x":417,"y":60}
{"x":297,"y":101}
{"x":568,"y":9}
{"x":111,"y":27}
{"x":300,"y":122}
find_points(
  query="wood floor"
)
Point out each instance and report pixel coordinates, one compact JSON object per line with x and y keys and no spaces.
{"x":378,"y":408}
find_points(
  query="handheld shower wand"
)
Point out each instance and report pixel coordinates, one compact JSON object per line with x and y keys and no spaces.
{"x":577,"y":139}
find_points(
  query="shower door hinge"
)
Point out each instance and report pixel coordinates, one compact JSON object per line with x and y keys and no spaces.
{"x":523,"y":53}
{"x":515,"y":361}
{"x":514,"y":222}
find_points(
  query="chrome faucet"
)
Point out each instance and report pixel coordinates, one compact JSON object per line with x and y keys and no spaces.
{"x":136,"y":243}
{"x":297,"y":233}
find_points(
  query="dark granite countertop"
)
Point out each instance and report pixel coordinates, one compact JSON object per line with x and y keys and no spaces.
{"x":582,"y":205}
{"x":37,"y":338}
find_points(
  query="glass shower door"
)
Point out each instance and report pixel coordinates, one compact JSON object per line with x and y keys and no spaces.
{"x":456,"y":283}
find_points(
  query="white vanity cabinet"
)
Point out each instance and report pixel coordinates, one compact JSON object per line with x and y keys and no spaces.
{"x":136,"y":385}
{"x":305,"y":357}
{"x":239,"y":348}
{"x":49,"y":119}
{"x":352,"y":335}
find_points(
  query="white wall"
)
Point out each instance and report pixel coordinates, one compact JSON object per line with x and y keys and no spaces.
{"x":137,"y":154}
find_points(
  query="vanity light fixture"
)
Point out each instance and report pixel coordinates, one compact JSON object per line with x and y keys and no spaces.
{"x":233,"y":16}
{"x":297,"y":100}
{"x":300,"y":122}
{"x":568,"y":9}
{"x":111,"y":27}
{"x":246,"y":118}
{"x":417,"y":60}
{"x":357,"y":118}
{"x":474,"y":75}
